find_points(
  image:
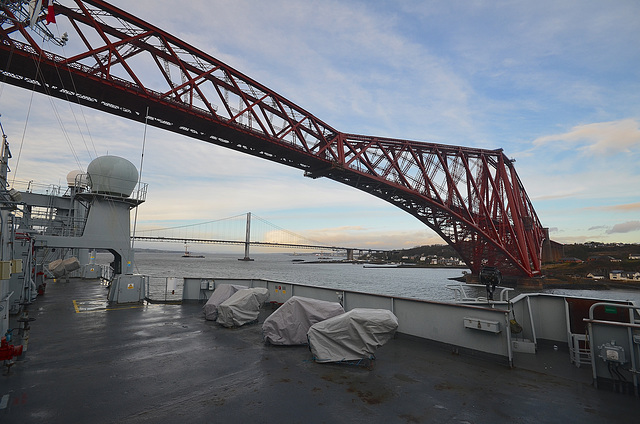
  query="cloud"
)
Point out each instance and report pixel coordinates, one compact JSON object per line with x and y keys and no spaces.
{"x":625,"y":227}
{"x":329,"y":57}
{"x":628,"y":207}
{"x":597,"y":227}
{"x":372,"y":238}
{"x":573,"y":239}
{"x":601,"y":138}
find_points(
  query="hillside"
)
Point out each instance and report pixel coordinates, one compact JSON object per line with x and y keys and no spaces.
{"x":592,"y":258}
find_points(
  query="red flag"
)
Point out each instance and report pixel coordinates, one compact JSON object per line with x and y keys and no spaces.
{"x":51,"y":15}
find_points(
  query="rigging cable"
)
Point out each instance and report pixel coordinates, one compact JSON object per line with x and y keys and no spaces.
{"x":144,"y":142}
{"x":55,"y":112}
{"x":26,"y":121}
{"x":84,"y":118}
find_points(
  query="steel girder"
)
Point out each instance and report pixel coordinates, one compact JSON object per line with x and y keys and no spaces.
{"x":471,"y":197}
{"x":120,"y":64}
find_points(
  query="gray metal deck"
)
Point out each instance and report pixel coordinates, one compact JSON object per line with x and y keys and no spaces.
{"x":165,"y":363}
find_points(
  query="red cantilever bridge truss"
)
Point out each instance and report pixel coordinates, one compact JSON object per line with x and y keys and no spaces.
{"x":118,"y":63}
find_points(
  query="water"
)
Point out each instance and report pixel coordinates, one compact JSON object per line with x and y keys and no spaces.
{"x":418,"y":283}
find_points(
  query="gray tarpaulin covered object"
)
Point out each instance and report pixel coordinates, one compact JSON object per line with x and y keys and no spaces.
{"x":220,"y":294}
{"x":242,"y":307}
{"x":289,"y":324}
{"x":61,"y":267}
{"x":351,"y":336}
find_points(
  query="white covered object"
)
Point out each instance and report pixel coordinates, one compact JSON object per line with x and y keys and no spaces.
{"x":242,"y":307}
{"x":351,"y":336}
{"x":77,"y":178}
{"x":289,"y":324}
{"x":71,"y":264}
{"x":112,"y":175}
{"x":219,"y":295}
{"x":61,"y":267}
{"x":56,"y":268}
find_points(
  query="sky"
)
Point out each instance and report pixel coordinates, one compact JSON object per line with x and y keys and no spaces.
{"x":553,"y":83}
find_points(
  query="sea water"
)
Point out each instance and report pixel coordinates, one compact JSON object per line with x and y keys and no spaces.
{"x":409,"y":282}
{"x":420,"y":283}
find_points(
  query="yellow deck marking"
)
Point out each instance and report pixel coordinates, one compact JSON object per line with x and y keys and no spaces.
{"x":93,"y":305}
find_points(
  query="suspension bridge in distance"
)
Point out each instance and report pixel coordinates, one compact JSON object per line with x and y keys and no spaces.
{"x":246,"y":230}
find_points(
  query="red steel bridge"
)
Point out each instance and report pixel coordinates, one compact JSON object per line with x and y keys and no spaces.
{"x":120,"y":64}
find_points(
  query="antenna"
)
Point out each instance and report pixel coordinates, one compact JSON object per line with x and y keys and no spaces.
{"x":21,"y":13}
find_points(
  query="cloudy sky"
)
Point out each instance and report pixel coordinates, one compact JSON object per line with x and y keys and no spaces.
{"x":553,"y":83}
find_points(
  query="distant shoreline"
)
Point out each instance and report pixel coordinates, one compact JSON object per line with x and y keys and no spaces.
{"x":589,"y":284}
{"x":374,"y":265}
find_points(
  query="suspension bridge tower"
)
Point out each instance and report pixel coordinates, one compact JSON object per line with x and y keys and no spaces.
{"x":247,"y":240}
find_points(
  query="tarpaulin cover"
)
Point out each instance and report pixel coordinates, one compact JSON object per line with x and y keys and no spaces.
{"x":351,"y":336}
{"x":219,"y":295}
{"x":242,"y":307}
{"x":289,"y":324}
{"x":61,"y":267}
{"x":71,"y":264}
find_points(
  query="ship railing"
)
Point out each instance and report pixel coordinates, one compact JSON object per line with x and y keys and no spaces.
{"x":80,"y":185}
{"x":106,"y":273}
{"x":475,"y":326}
{"x":45,"y":221}
{"x":37,"y":188}
{"x":460,"y":293}
{"x":140,"y":193}
{"x":615,"y":347}
{"x":484,"y":329}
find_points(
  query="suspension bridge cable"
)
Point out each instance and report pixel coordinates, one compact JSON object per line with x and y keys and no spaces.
{"x":231,"y":230}
{"x":193,"y":225}
{"x":144,"y":142}
{"x":287,"y":231}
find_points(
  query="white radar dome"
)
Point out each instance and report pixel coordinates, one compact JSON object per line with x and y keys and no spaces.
{"x":112,"y":175}
{"x":77,"y":178}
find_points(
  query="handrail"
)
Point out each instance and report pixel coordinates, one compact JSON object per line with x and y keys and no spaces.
{"x":617,"y":305}
{"x":612,"y":323}
{"x":6,"y":299}
{"x":631,"y":338}
{"x":461,"y":296}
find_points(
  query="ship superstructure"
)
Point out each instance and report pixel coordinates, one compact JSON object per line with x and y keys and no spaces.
{"x":53,"y":231}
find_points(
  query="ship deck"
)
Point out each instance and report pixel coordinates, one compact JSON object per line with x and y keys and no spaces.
{"x":86,"y":362}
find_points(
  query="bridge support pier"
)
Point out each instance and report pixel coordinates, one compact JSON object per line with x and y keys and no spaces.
{"x":349,"y":254}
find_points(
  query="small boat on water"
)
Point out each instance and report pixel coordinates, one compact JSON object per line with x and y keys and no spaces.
{"x":188,"y":254}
